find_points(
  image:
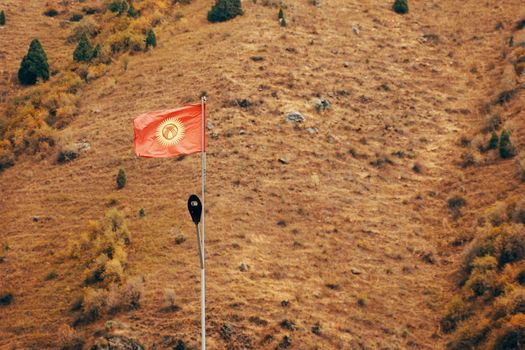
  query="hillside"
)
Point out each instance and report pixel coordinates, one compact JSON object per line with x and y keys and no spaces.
{"x":353,"y":231}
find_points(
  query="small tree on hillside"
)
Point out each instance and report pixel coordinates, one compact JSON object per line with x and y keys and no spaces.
{"x":132,"y":12}
{"x":121,"y":179}
{"x":84,"y":50}
{"x":96,"y":51}
{"x":494,"y":140}
{"x":2,"y":18}
{"x":400,"y":6}
{"x":151,"y":39}
{"x":282,"y":20}
{"x":123,"y":8}
{"x":224,"y":10}
{"x":506,"y":149}
{"x":34,"y":65}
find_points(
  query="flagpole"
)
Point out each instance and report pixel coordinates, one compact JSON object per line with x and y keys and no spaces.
{"x":203,"y":191}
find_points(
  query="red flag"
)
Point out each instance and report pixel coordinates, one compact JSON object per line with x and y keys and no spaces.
{"x":171,"y":132}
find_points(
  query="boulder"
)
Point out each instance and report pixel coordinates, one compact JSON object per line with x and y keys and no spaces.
{"x":295,"y":117}
{"x":116,"y":342}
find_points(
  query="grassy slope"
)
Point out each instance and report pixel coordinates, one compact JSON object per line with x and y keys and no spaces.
{"x":341,"y":212}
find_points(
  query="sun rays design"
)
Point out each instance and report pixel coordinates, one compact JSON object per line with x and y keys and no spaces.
{"x":170,"y":132}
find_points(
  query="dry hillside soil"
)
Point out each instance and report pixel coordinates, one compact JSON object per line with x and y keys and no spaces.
{"x":347,"y":230}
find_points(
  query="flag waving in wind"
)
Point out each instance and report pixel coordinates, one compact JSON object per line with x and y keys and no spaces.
{"x":172,"y":132}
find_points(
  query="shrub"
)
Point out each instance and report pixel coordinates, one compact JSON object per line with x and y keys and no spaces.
{"x":86,"y":26}
{"x":512,"y":248}
{"x":6,"y":298}
{"x":121,"y":179}
{"x":494,"y":140}
{"x":169,"y":299}
{"x":123,"y":8}
{"x":34,"y":65}
{"x":455,"y":204}
{"x":456,"y":310}
{"x":400,"y":6}
{"x":520,"y":168}
{"x":126,"y":41}
{"x":471,"y":335}
{"x":7,"y":158}
{"x":51,"y":276}
{"x":480,"y":283}
{"x":224,"y":10}
{"x":93,"y":304}
{"x":76,"y":17}
{"x":51,"y":12}
{"x":282,"y":20}
{"x":84,"y":50}
{"x":114,"y":6}
{"x":113,"y":271}
{"x":506,"y":148}
{"x":69,"y":338}
{"x":132,"y":12}
{"x":520,"y":24}
{"x":142,"y":213}
{"x":151,"y":39}
{"x":512,"y":335}
{"x":2,"y":18}
{"x":132,"y":292}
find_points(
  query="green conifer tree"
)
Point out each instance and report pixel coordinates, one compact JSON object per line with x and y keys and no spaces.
{"x":132,"y":12}
{"x":493,"y":142}
{"x":282,"y":19}
{"x":2,"y":18}
{"x":84,"y":50}
{"x":400,"y":6}
{"x":123,"y":8}
{"x":506,"y":149}
{"x":114,"y":6}
{"x":224,"y":10}
{"x":34,"y":65}
{"x":96,"y":51}
{"x":121,"y":179}
{"x":151,"y":39}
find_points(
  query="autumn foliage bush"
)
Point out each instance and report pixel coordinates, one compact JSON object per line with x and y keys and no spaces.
{"x":489,"y":310}
{"x":102,"y":253}
{"x":32,"y":117}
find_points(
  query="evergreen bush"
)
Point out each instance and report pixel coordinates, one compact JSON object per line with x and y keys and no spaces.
{"x":282,"y":19}
{"x":224,"y":10}
{"x":84,"y":50}
{"x":2,"y":18}
{"x":494,"y":140}
{"x":121,"y":179}
{"x":400,"y":6}
{"x":34,"y":65}
{"x":151,"y":39}
{"x":506,"y":148}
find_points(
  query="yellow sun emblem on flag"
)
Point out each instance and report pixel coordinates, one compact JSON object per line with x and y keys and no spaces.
{"x":170,"y":132}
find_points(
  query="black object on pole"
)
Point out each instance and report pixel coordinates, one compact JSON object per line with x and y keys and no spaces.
{"x":195,"y":208}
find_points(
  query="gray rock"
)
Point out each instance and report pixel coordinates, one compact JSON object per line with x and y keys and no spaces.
{"x":83,"y":146}
{"x":295,"y":117}
{"x":242,"y":131}
{"x":346,"y":64}
{"x":356,"y":29}
{"x":209,"y":125}
{"x":355,"y":271}
{"x":116,"y":342}
{"x":320,"y":104}
{"x":283,"y":161}
{"x":312,"y":131}
{"x":243,"y":267}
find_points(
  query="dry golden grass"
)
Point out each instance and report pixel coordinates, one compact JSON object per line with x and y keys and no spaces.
{"x":395,"y":96}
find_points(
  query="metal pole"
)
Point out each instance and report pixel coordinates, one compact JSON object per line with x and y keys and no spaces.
{"x":203,"y":191}
{"x":201,"y":261}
